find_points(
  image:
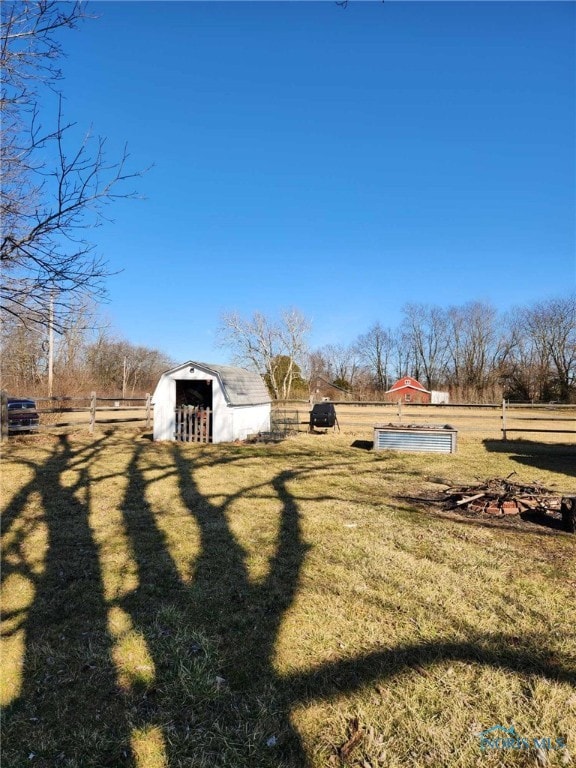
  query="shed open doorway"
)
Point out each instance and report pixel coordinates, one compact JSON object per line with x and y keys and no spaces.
{"x":197,"y":393}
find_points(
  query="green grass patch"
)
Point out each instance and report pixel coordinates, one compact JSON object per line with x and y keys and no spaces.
{"x":279,"y":605}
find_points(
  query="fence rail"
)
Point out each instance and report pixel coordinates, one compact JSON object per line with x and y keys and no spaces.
{"x":507,"y":427}
{"x":65,"y":405}
{"x":293,"y":416}
{"x":498,"y":419}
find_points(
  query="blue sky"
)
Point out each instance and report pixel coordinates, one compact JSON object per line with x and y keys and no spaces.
{"x":343,"y":162}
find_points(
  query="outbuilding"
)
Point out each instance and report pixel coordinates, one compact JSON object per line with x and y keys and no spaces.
{"x":228,"y":403}
{"x":408,"y":390}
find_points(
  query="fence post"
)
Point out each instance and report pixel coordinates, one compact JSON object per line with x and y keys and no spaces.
{"x":147,"y":410}
{"x":3,"y":415}
{"x":399,"y":410}
{"x":503,"y":419}
{"x":92,"y":412}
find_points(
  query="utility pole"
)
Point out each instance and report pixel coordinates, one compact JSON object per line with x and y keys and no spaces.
{"x":51,"y":346}
{"x":124,"y":376}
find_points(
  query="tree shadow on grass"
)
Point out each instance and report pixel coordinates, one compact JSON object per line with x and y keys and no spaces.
{"x":495,"y":651}
{"x":243,"y":619}
{"x":225,"y":709}
{"x":68,"y":677}
{"x":211,"y":695}
{"x":560,"y":458}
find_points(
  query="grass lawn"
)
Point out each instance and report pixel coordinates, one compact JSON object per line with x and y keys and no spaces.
{"x":279,"y":605}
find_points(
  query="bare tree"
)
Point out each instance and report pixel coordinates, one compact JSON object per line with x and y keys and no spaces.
{"x":478,"y":348}
{"x":551,"y":328}
{"x":475,"y":345}
{"x":374,"y":349}
{"x":71,"y":374}
{"x":118,"y":366}
{"x":425,"y":331}
{"x":344,"y":364}
{"x":317,"y":366}
{"x":404,"y":360}
{"x":23,"y":362}
{"x":52,"y":190}
{"x":526,"y":371}
{"x":275,"y":349}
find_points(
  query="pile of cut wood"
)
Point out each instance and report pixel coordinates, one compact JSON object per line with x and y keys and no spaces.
{"x":501,"y":496}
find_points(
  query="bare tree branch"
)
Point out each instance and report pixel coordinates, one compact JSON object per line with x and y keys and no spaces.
{"x":274,"y":349}
{"x":53,"y":191}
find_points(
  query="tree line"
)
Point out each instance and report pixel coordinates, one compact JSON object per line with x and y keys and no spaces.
{"x":471,"y":350}
{"x":85,"y":358}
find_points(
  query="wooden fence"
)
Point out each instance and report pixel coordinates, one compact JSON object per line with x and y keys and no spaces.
{"x":510,"y":419}
{"x":98,"y":410}
{"x":193,"y":424}
{"x":499,"y":420}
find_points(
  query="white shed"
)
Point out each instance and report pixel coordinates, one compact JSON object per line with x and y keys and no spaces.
{"x":238,"y":400}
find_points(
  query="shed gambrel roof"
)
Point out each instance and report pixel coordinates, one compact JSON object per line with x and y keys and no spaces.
{"x":240,"y":386}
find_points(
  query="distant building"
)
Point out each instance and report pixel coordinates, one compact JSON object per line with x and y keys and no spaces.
{"x":322,"y":389}
{"x":408,"y":390}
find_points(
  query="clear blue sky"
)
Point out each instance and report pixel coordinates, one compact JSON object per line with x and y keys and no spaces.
{"x":343,"y":162}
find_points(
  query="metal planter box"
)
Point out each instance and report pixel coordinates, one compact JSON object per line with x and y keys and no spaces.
{"x":415,"y":437}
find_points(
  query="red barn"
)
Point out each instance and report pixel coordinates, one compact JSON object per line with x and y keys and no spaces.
{"x":408,"y":390}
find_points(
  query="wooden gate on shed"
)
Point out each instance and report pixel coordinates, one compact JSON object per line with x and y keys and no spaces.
{"x":193,"y":424}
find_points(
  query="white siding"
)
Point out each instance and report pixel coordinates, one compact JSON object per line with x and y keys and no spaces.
{"x":250,"y":420}
{"x":164,"y":399}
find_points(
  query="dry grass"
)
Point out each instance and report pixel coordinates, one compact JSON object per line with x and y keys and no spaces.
{"x":233,"y":605}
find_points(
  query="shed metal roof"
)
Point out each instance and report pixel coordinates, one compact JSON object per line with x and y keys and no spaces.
{"x":240,"y":386}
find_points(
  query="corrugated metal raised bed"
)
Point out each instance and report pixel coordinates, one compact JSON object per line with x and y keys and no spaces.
{"x":415,"y":437}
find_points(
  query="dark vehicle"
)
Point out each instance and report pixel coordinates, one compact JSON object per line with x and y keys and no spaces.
{"x":22,"y":415}
{"x":323,"y":416}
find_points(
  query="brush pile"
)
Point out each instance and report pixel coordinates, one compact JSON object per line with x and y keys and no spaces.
{"x":502,"y":497}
